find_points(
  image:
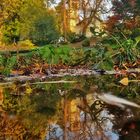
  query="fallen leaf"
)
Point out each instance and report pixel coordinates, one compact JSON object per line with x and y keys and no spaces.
{"x":124,"y":81}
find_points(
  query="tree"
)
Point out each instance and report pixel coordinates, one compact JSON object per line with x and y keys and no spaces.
{"x":127,"y":9}
{"x":90,"y":10}
{"x":44,"y":30}
{"x":27,"y":19}
{"x":11,"y":31}
{"x":125,"y":15}
{"x":80,"y":12}
{"x":38,"y":23}
{"x":9,"y":19}
{"x":62,"y":17}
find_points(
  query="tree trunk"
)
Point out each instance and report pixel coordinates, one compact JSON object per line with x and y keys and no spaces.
{"x":64,"y":20}
{"x":65,"y":118}
{"x":84,"y":30}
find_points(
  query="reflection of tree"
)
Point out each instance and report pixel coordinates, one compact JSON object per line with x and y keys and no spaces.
{"x":92,"y":125}
{"x":35,"y":110}
{"x":75,"y":109}
{"x":41,"y":109}
{"x":81,"y":118}
{"x":11,"y":127}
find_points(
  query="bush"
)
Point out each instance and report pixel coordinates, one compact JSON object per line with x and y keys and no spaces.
{"x":41,"y":28}
{"x":52,"y":55}
{"x":26,"y":44}
{"x":10,"y":32}
{"x":135,"y":33}
{"x":8,"y":64}
{"x":44,"y":31}
{"x":86,"y":43}
{"x":73,"y":37}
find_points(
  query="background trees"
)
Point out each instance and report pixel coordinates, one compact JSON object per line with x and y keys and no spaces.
{"x":128,"y":8}
{"x":42,"y":21}
{"x":38,"y":25}
{"x":125,"y":18}
{"x":27,"y":19}
{"x":90,"y":11}
{"x":9,"y":21}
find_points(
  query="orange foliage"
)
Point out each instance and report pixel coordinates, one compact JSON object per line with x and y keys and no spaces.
{"x":130,"y":24}
{"x":110,"y":24}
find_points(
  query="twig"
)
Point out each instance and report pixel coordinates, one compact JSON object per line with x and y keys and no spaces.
{"x":51,"y":82}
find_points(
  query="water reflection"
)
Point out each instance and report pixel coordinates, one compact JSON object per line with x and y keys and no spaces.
{"x":66,"y":111}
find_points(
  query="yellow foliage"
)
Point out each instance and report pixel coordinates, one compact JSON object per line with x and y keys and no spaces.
{"x":28,"y":90}
{"x":124,"y":81}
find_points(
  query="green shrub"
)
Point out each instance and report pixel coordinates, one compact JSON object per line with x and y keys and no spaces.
{"x":86,"y":43}
{"x":135,"y":32}
{"x":9,"y":65}
{"x":73,"y":37}
{"x":44,"y":31}
{"x":53,"y":55}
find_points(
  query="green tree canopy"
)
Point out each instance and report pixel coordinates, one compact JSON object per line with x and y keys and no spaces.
{"x":27,"y":19}
{"x":38,"y":23}
{"x":9,"y":19}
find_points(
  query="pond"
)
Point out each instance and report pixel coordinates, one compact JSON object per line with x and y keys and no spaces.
{"x":70,"y":111}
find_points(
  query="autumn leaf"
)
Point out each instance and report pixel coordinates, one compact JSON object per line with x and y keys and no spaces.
{"x":124,"y":81}
{"x":28,"y":90}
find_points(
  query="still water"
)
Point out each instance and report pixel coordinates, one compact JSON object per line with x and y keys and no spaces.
{"x":69,"y":111}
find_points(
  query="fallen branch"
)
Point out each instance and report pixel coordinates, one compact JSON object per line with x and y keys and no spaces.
{"x":9,"y":84}
{"x":51,"y":82}
{"x":6,"y":84}
{"x":65,"y":72}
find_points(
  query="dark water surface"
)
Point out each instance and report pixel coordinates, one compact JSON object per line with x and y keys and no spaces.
{"x":69,"y":111}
